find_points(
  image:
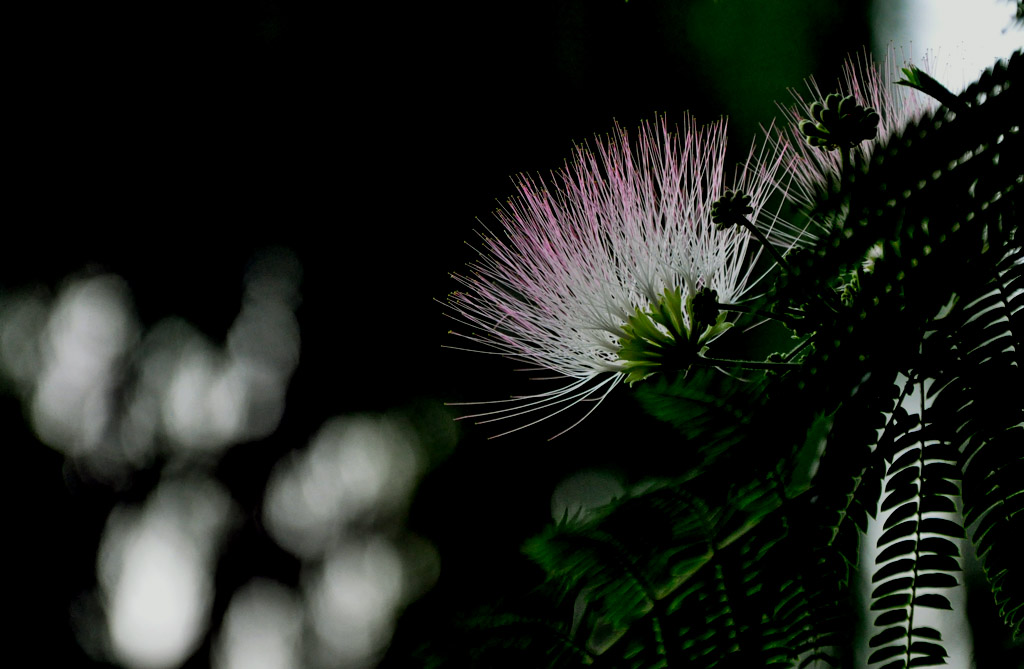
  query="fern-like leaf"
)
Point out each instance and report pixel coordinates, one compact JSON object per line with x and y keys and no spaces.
{"x":917,"y":555}
{"x":982,"y":405}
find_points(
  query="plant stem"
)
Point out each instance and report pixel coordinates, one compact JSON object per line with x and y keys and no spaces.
{"x":742,"y":220}
{"x":744,"y":364}
{"x":782,"y":318}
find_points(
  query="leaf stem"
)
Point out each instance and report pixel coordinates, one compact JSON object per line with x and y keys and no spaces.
{"x":917,"y":534}
{"x":801,"y":346}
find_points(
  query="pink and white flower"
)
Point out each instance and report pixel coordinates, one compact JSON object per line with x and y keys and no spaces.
{"x":811,"y":171}
{"x":613,"y":249}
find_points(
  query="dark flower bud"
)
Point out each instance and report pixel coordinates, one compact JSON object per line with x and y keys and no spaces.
{"x":705,"y":306}
{"x":839,"y":123}
{"x":730,"y":209}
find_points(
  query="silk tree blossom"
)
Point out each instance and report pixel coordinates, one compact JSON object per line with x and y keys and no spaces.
{"x":813,"y":170}
{"x":613,"y":271}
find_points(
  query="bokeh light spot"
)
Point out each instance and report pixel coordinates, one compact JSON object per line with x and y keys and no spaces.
{"x":22,"y":320}
{"x":355,"y":466}
{"x":580,"y":493}
{"x":87,"y":335}
{"x":155,"y":572}
{"x":262,"y":629}
{"x":353,"y":598}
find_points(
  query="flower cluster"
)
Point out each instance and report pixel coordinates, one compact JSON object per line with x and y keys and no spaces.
{"x":614,"y":271}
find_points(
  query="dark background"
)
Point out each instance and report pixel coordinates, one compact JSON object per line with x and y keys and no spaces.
{"x":169,"y":142}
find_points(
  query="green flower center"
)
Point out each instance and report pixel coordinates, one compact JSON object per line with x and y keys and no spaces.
{"x":672,"y":334}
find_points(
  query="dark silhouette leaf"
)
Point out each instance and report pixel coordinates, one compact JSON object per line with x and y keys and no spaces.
{"x":933,"y":601}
